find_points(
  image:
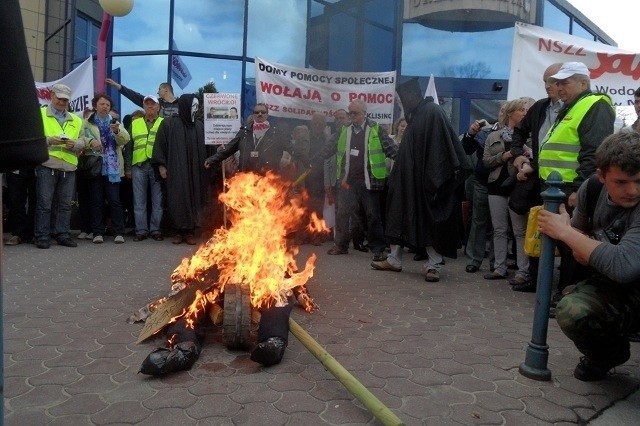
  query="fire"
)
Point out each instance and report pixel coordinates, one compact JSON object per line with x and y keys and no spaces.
{"x":254,"y":250}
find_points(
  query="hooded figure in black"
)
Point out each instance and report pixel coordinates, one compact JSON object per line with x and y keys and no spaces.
{"x":179,"y":151}
{"x":422,"y":206}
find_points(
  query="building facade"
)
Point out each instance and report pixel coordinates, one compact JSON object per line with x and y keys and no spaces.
{"x":465,"y":44}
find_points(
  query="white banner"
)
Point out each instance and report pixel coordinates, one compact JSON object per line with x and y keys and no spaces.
{"x":80,"y":80}
{"x":221,"y":117}
{"x":299,"y":92}
{"x":613,"y":71}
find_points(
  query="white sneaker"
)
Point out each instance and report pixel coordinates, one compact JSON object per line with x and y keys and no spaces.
{"x":82,"y":236}
{"x":98,"y":239}
{"x":89,"y":236}
{"x":119,"y":239}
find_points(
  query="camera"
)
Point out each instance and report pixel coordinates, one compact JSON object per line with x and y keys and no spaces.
{"x":612,"y":233}
{"x":114,"y":121}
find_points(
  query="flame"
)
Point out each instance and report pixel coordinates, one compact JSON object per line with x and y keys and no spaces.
{"x":254,"y":250}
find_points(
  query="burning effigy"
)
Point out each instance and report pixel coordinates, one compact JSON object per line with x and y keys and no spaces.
{"x":244,"y":271}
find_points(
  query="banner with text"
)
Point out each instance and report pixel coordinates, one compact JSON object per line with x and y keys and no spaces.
{"x":80,"y":80}
{"x":613,"y":71}
{"x":221,"y":118}
{"x":299,"y":92}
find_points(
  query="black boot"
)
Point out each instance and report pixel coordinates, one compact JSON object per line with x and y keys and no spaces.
{"x":273,"y":332}
{"x":269,"y":352}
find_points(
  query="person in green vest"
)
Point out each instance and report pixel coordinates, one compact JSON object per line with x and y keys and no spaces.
{"x":584,"y":121}
{"x":570,"y":145}
{"x":56,"y":177}
{"x":361,"y":150}
{"x":145,"y":177}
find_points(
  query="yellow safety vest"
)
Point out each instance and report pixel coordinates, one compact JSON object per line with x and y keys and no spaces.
{"x":71,"y":128}
{"x":143,"y":139}
{"x":561,"y":150}
{"x":376,"y":153}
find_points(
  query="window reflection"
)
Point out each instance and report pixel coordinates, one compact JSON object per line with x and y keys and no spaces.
{"x":202,"y":26}
{"x":145,"y":28}
{"x":555,"y":19}
{"x":484,"y":54}
{"x":278,"y":32}
{"x":580,"y":31}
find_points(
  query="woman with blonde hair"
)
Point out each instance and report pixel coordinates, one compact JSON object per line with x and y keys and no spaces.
{"x":497,"y":158}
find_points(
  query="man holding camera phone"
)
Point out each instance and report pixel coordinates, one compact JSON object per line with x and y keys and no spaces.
{"x":56,"y":176}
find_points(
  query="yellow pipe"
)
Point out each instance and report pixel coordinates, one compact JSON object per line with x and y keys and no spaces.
{"x":369,"y":400}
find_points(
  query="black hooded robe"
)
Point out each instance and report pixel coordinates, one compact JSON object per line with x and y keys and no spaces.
{"x":422,"y":207}
{"x":180,"y":147}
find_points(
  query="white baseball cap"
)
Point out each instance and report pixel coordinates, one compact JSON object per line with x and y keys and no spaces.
{"x":569,"y":69}
{"x":153,"y":98}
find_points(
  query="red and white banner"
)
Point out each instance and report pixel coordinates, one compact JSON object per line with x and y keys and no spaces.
{"x":299,"y":92}
{"x":614,"y":71}
{"x":80,"y":80}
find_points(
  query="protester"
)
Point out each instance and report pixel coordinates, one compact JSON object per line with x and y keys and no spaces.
{"x":600,"y":312}
{"x":260,"y":144}
{"x":107,"y":137}
{"x":314,"y":182}
{"x":422,"y":206}
{"x":146,"y":178}
{"x":56,"y":177}
{"x":635,"y":126}
{"x":496,"y":159}
{"x":474,"y":142}
{"x":21,"y":203}
{"x":531,"y":131}
{"x":569,"y":147}
{"x":360,"y":151}
{"x":167,"y":100}
{"x":179,"y":152}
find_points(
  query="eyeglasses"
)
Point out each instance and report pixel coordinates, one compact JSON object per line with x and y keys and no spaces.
{"x":63,"y":100}
{"x":260,"y":112}
{"x":351,"y":113}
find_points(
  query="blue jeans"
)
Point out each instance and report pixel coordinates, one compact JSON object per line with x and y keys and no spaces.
{"x":349,"y":200}
{"x":144,"y":177}
{"x":53,"y":185}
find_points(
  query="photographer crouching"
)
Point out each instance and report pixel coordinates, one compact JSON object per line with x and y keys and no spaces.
{"x":600,"y":312}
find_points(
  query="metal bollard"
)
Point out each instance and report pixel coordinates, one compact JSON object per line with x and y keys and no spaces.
{"x":535,"y":363}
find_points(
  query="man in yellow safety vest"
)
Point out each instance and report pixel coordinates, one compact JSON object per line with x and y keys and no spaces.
{"x":56,"y":177}
{"x":145,"y":177}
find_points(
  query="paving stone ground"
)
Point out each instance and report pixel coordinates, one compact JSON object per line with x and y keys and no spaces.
{"x":434,"y":353}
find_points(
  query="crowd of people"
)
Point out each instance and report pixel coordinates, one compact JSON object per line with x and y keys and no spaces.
{"x":395,"y":191}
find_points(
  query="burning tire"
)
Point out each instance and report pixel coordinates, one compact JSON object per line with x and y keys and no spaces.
{"x":236,"y":326}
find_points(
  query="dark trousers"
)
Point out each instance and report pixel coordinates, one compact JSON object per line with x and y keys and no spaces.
{"x":112,"y":195}
{"x":350,"y":198}
{"x":21,"y":202}
{"x":90,"y":205}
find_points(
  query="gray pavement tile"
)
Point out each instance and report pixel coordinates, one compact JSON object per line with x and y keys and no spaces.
{"x":178,"y":398}
{"x":547,"y":411}
{"x":466,"y":383}
{"x":435,"y":353}
{"x":167,"y":416}
{"x":27,"y":416}
{"x":56,"y":376}
{"x":470,"y":414}
{"x":299,"y":402}
{"x":213,"y":404}
{"x":126,"y":412}
{"x":82,"y":404}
